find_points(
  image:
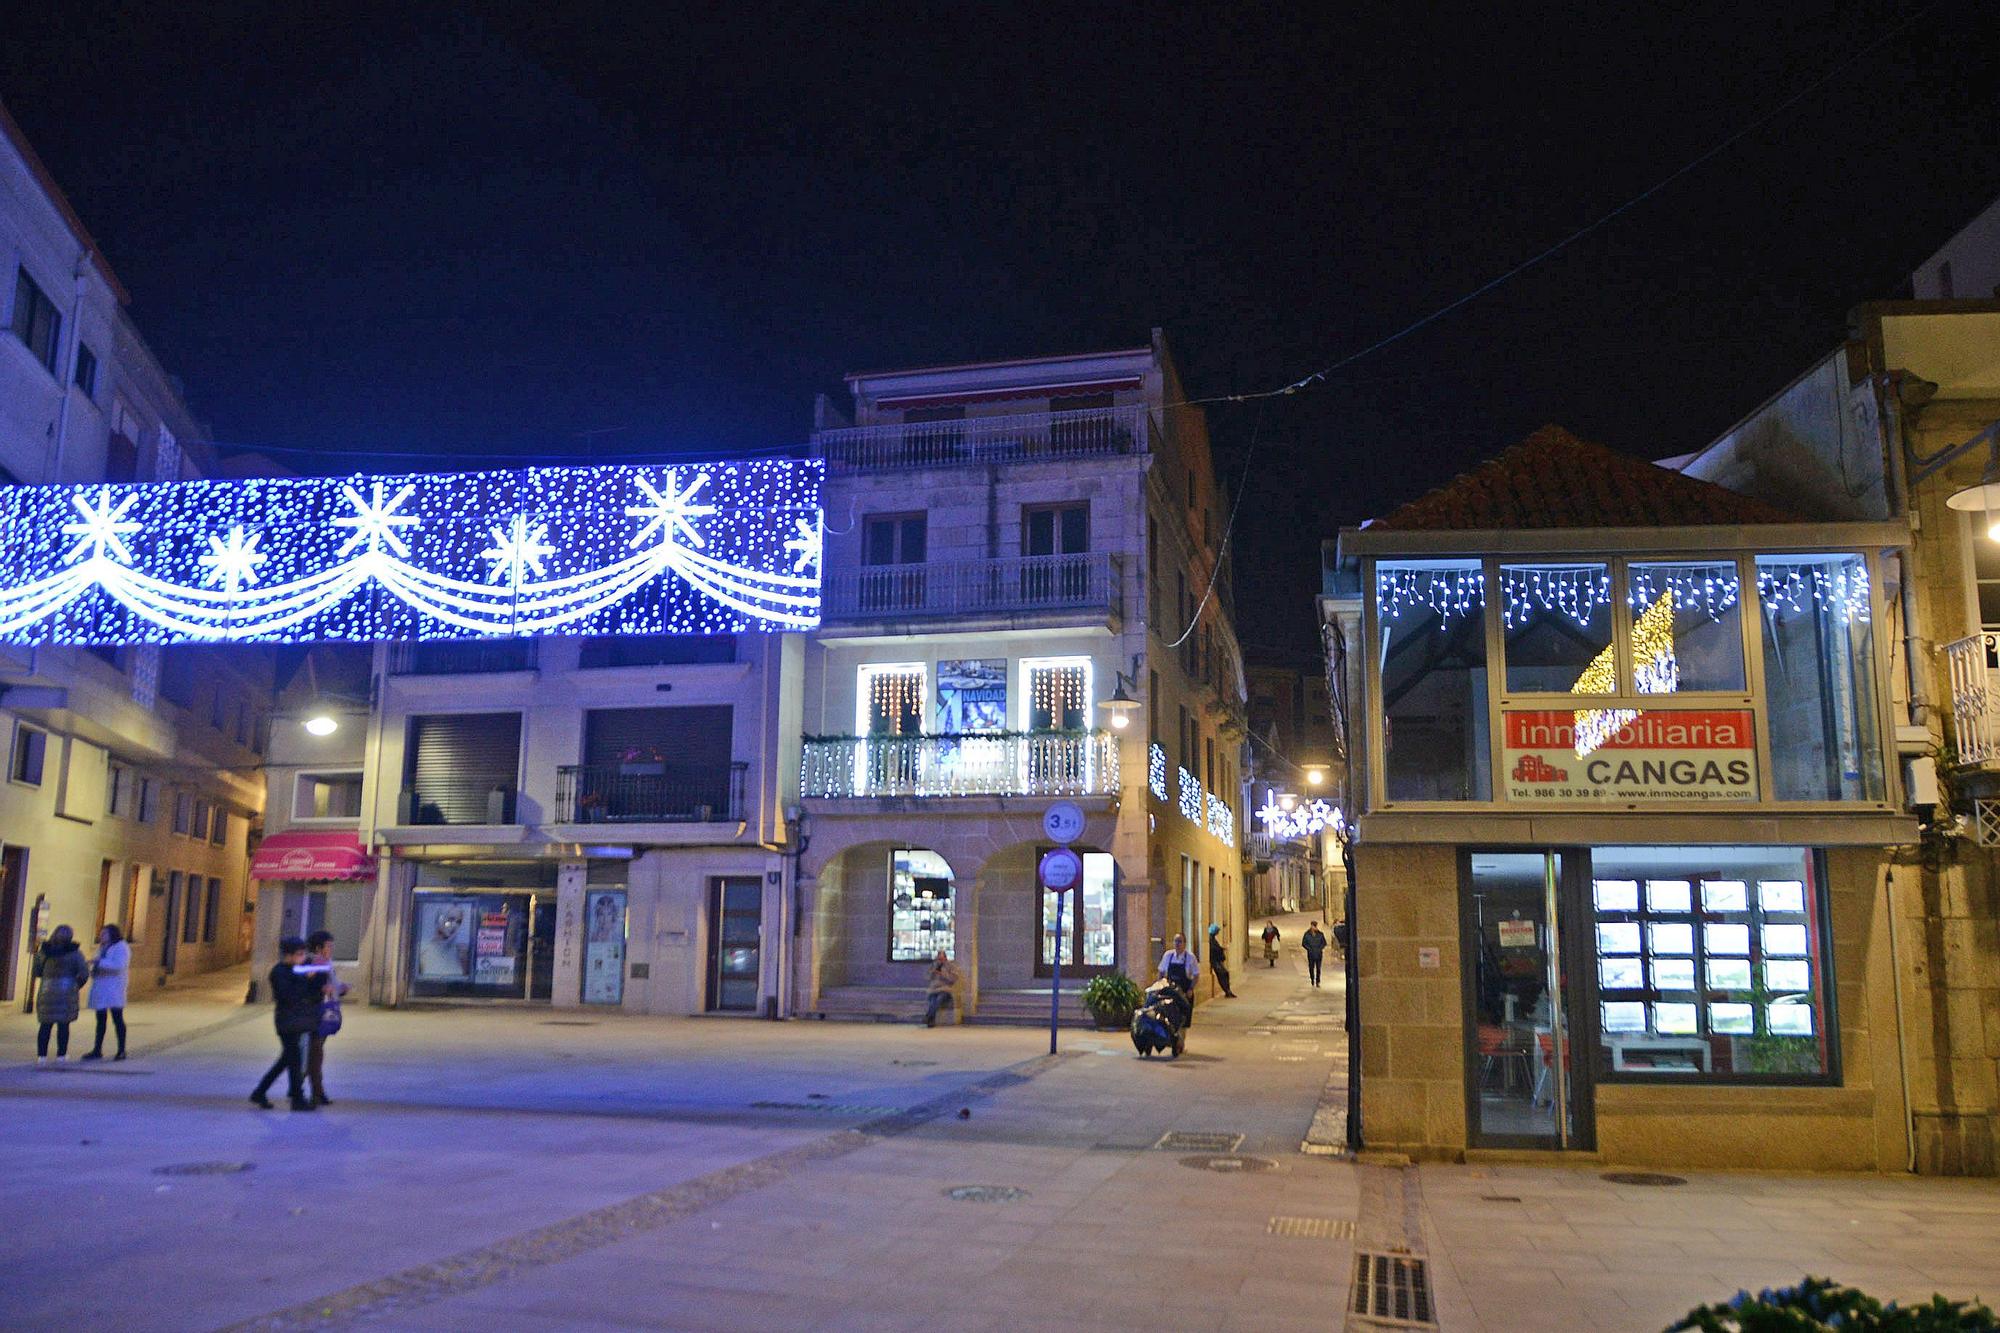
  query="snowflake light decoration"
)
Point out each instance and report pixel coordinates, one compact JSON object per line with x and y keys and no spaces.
{"x":702,"y":549}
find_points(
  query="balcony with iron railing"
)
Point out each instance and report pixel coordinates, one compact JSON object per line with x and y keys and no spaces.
{"x":650,"y":793}
{"x":461,"y":658}
{"x":964,"y":589}
{"x":1018,"y":763}
{"x":1972,"y":665}
{"x":1030,"y":437}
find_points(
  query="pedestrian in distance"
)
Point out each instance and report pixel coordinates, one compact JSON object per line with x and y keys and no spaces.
{"x":1314,"y":943}
{"x":1218,"y":960}
{"x":1270,"y":944}
{"x":60,"y":965}
{"x":107,"y":988}
{"x":942,"y":988}
{"x":319,"y":965}
{"x":1342,"y":936}
{"x":295,"y":1004}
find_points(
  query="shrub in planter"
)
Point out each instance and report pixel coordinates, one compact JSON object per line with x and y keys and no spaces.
{"x":1111,"y":997}
{"x":1819,"y":1304}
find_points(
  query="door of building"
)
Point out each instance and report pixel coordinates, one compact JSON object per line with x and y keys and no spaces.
{"x":1526,"y":1085}
{"x":168,"y":934}
{"x":735,"y":943}
{"x":13,"y":900}
{"x":1089,"y":920}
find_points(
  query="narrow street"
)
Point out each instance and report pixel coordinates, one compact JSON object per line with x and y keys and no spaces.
{"x":533,"y":1169}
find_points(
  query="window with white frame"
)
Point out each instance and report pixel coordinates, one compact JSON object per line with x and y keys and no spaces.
{"x":327,"y":796}
{"x":30,"y":754}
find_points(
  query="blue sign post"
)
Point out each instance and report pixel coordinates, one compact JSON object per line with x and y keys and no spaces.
{"x":1061,"y":871}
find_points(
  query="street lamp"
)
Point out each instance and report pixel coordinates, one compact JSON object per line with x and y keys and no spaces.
{"x":1120,"y":706}
{"x":321,"y":724}
{"x":1315,"y":775}
{"x":1983,"y":499}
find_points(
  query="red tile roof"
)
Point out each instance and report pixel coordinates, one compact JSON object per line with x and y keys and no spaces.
{"x":1552,"y":479}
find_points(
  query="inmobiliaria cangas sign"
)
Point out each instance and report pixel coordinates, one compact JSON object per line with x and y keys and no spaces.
{"x":1707,"y":754}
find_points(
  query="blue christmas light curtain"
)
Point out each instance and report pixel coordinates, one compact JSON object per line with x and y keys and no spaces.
{"x":703,"y":548}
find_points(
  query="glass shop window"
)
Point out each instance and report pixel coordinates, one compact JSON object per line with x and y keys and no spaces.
{"x":1556,"y":621}
{"x":1711,"y":963}
{"x":1436,"y":739}
{"x":919,"y":906}
{"x":1819,"y":677}
{"x":1687,"y":626}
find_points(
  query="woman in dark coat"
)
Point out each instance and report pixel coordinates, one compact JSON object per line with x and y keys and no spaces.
{"x":63,"y":969}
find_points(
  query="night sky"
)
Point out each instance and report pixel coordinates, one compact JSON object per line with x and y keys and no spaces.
{"x":476,"y":232}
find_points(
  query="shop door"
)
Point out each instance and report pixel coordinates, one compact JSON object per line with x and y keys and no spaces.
{"x":1527,"y":1086}
{"x":542,"y":946}
{"x":1089,"y":921}
{"x":735,"y":951}
{"x":13,"y":894}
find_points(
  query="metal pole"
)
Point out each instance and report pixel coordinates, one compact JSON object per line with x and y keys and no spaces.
{"x":1055,"y":985}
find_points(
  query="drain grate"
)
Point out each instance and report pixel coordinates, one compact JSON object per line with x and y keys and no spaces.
{"x":1312,"y":1228}
{"x":1227,"y":1163}
{"x":985,"y":1194}
{"x":1394,"y":1288}
{"x":1642,"y":1178}
{"x":569,"y":1023}
{"x":204,"y":1168}
{"x":1499,"y":1198}
{"x":831,"y":1108}
{"x":1190,"y":1140}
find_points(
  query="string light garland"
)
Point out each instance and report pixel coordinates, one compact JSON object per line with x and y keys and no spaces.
{"x":1156,"y":771}
{"x":896,"y":698}
{"x":1791,"y":586}
{"x":1578,"y":593}
{"x":1190,"y":797}
{"x":1221,"y":820}
{"x":1441,"y":592}
{"x":1058,"y":693}
{"x":1303,"y":820}
{"x":711,"y":548}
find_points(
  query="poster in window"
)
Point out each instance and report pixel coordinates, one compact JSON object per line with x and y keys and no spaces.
{"x":604,"y":947}
{"x":493,"y":962}
{"x":444,"y":938}
{"x":972,"y":695}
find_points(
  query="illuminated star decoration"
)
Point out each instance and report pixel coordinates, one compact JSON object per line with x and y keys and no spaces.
{"x":375,"y":521}
{"x":232,"y":561}
{"x":1275,"y":816}
{"x":103,"y":529}
{"x":671,"y":513}
{"x":806,"y":547}
{"x":517,"y":551}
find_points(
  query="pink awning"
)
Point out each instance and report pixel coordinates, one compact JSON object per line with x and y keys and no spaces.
{"x":314,"y":854}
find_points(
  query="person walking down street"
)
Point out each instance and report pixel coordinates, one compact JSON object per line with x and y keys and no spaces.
{"x":295,"y":1003}
{"x":942,"y":988}
{"x":1342,"y":936}
{"x":60,"y":965}
{"x":1314,"y":943}
{"x":319,"y":966}
{"x":1270,"y":944}
{"x":1218,"y":960}
{"x":107,"y":988}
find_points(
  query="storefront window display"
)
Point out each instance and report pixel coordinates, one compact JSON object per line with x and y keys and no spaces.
{"x":1436,"y":725}
{"x":482,"y":945}
{"x":604,"y":946}
{"x":1710,"y":963}
{"x":1687,"y":626}
{"x":1819,"y":677}
{"x":1556,"y":622}
{"x":920,"y":905}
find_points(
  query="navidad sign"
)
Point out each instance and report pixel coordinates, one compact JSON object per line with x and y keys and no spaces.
{"x":1707,"y":754}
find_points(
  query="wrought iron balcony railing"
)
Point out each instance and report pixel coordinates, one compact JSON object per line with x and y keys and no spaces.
{"x":1016,"y":763}
{"x":957,"y":588}
{"x":650,"y":793}
{"x":471,"y":657}
{"x":1035,"y":436}
{"x":1973,"y":666}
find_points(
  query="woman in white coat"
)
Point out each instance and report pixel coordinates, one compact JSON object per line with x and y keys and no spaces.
{"x":107,"y":987}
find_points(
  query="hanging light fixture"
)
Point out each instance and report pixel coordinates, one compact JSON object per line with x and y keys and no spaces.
{"x":1120,"y":706}
{"x":1983,"y":499}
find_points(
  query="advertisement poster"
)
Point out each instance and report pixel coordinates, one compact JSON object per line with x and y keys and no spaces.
{"x":444,"y":938}
{"x":971,"y":696}
{"x":604,"y":947}
{"x":1696,"y":755}
{"x":492,"y":959}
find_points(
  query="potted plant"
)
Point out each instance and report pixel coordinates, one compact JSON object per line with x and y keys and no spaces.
{"x":641,"y":761}
{"x":1111,"y":997}
{"x":1817,"y":1303}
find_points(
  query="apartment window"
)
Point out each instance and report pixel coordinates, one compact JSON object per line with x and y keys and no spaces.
{"x":86,"y":370}
{"x":1152,"y":570}
{"x":191,"y":914}
{"x":462,"y":768}
{"x":327,"y":796}
{"x":218,"y":828}
{"x":144,"y":799}
{"x":183,"y":813}
{"x":1058,"y":693}
{"x":640,"y":650}
{"x":218,"y":710}
{"x":36,"y":321}
{"x":1186,"y":755}
{"x":211,"y":910}
{"x":893,"y":539}
{"x":1208,"y":762}
{"x":31,"y":745}
{"x":117,"y":789}
{"x":1819,"y":677}
{"x":1153,"y":707}
{"x":1055,"y":530}
{"x":202,"y":811}
{"x":892,"y":699}
{"x":1435,"y":728}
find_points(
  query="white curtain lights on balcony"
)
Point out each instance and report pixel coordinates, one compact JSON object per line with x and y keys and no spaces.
{"x":698,"y":549}
{"x":1156,"y":771}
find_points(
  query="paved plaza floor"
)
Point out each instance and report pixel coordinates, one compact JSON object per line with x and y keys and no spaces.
{"x":529,"y":1169}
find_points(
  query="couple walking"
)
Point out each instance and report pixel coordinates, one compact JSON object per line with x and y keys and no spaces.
{"x":305,"y":999}
{"x":63,"y":973}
